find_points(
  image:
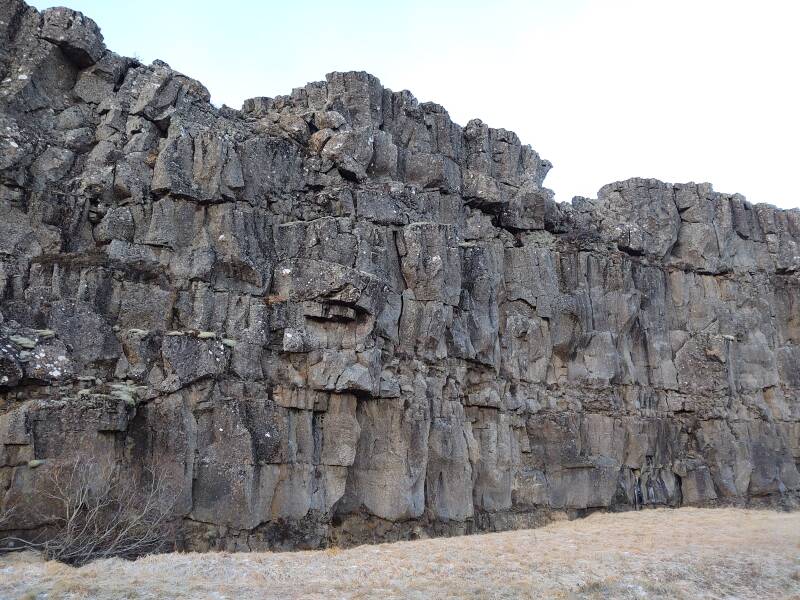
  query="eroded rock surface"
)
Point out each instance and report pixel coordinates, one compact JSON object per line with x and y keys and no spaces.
{"x":337,"y":316}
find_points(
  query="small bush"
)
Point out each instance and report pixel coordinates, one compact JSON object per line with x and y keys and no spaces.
{"x":100,"y":511}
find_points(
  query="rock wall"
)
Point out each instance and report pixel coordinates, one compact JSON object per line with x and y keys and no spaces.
{"x":337,"y":316}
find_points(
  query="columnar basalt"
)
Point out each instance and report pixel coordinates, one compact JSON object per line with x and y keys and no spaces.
{"x":337,"y":316}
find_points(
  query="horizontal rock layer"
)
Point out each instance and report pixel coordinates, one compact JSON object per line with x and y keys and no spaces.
{"x":337,"y":316}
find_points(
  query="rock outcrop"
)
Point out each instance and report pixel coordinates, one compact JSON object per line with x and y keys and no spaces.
{"x":337,"y":316}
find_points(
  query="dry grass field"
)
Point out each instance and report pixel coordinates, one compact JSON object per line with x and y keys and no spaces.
{"x":684,"y":553}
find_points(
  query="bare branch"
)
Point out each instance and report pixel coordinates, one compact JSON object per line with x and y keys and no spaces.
{"x":104,"y":512}
{"x":5,"y":516}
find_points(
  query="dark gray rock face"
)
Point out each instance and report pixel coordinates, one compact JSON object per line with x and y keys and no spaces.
{"x":337,"y":316}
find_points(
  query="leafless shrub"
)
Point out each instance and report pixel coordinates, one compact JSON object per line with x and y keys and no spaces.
{"x":100,"y":511}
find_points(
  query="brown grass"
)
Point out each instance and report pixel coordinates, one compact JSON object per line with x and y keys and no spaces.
{"x":684,"y":553}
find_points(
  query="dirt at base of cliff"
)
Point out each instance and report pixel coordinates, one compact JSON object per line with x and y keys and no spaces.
{"x":659,"y":553}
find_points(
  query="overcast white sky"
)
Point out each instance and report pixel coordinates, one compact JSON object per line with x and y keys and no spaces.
{"x":680,"y":90}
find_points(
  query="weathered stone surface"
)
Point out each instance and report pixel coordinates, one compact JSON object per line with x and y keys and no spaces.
{"x":338,"y":316}
{"x":77,"y":36}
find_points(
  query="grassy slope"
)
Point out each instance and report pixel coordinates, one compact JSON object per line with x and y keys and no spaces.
{"x":685,"y":553}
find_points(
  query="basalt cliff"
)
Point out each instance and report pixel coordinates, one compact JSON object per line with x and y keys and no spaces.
{"x":337,"y":316}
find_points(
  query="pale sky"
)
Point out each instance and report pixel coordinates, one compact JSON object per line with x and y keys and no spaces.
{"x":679,"y":90}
